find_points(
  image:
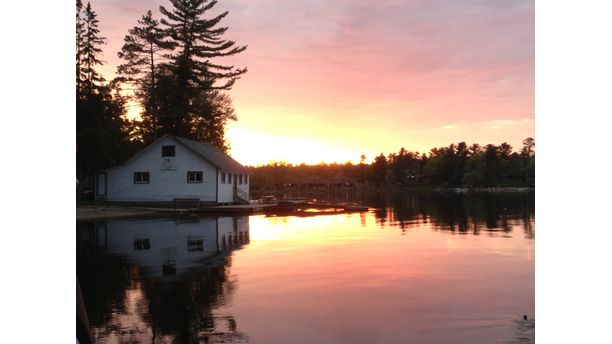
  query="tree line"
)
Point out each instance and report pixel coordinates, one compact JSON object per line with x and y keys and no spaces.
{"x":170,"y":69}
{"x":457,"y":165}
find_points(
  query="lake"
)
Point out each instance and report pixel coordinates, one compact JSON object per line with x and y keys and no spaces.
{"x":420,"y":267}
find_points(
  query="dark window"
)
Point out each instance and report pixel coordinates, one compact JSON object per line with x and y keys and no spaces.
{"x":223,"y":177}
{"x":141,"y":177}
{"x":167,"y":151}
{"x":235,"y":179}
{"x":142,"y":244}
{"x":240,"y":179}
{"x":230,"y":178}
{"x":194,"y":177}
{"x":195,"y":244}
{"x":246,"y":179}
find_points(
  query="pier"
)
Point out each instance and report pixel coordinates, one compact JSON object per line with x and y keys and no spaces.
{"x":298,"y":207}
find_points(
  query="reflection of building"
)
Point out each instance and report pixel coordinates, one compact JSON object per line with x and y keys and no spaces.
{"x":175,"y":168}
{"x":159,"y":280}
{"x":164,"y":248}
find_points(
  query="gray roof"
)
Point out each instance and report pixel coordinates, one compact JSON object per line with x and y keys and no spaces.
{"x":212,"y":154}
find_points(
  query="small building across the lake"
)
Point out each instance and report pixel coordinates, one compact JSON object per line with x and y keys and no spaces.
{"x":174,"y":168}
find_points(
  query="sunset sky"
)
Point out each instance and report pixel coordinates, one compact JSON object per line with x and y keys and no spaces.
{"x":331,"y":80}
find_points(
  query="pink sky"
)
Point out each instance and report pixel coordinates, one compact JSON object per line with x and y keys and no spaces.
{"x":329,"y":81}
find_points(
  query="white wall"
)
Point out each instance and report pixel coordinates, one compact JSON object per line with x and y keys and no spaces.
{"x":168,"y":179}
{"x":245,"y":187}
{"x":226,"y":191}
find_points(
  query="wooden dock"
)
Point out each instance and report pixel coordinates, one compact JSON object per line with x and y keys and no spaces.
{"x":291,"y":208}
{"x":235,"y":208}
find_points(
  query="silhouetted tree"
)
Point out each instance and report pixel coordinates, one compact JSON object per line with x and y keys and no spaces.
{"x":379,"y":170}
{"x":80,"y":33}
{"x":505,"y":150}
{"x":213,"y":110}
{"x":528,"y":154}
{"x":474,"y":149}
{"x":194,"y":76}
{"x":528,"y":149}
{"x":89,"y":44}
{"x":101,"y":130}
{"x":142,"y":52}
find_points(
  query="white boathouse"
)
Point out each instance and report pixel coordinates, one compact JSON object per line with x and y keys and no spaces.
{"x":174,"y":168}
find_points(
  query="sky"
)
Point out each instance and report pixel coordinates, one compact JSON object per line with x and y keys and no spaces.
{"x":328,"y":81}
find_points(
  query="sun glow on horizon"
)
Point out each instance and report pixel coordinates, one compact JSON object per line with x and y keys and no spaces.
{"x":314,"y":143}
{"x":255,"y":149}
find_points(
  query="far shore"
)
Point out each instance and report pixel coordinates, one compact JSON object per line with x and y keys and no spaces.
{"x":402,"y":189}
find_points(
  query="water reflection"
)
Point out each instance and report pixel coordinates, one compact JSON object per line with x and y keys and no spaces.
{"x":462,"y":273}
{"x":458,"y":212}
{"x":159,"y":280}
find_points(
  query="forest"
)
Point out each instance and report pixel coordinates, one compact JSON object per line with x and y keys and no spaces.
{"x":457,"y":165}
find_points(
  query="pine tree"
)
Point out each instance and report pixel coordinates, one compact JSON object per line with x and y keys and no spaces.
{"x":89,"y":79}
{"x":80,"y":33}
{"x":193,"y":74}
{"x":198,"y":41}
{"x":142,"y":52}
{"x":101,"y":130}
{"x":213,"y":110}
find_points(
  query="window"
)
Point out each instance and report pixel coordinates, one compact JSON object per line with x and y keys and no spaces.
{"x":195,"y":244}
{"x":142,"y":244}
{"x":240,"y":179}
{"x":168,"y":151}
{"x":194,"y":177}
{"x":230,"y":178}
{"x":246,"y":178}
{"x":141,"y":177}
{"x":223,"y":177}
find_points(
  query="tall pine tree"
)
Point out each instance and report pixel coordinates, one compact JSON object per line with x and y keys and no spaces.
{"x":196,"y":78}
{"x":142,"y":52}
{"x":100,"y":127}
{"x":88,"y":55}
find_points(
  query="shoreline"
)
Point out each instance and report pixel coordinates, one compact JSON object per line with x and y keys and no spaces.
{"x":400,"y":189}
{"x":85,"y":213}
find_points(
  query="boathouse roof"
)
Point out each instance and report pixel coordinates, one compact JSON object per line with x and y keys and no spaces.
{"x":205,"y":150}
{"x":212,"y":154}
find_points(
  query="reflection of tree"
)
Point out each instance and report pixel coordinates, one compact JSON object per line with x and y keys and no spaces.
{"x":457,"y":212}
{"x":184,"y":309}
{"x":105,"y":288}
{"x":103,"y":279}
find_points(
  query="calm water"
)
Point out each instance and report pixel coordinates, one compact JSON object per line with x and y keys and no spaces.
{"x":420,"y":268}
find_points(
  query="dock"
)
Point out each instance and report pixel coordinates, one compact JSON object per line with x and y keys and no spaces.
{"x":235,"y":208}
{"x":280,"y":208}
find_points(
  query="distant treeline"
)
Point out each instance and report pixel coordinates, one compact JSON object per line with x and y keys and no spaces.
{"x":457,"y":165}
